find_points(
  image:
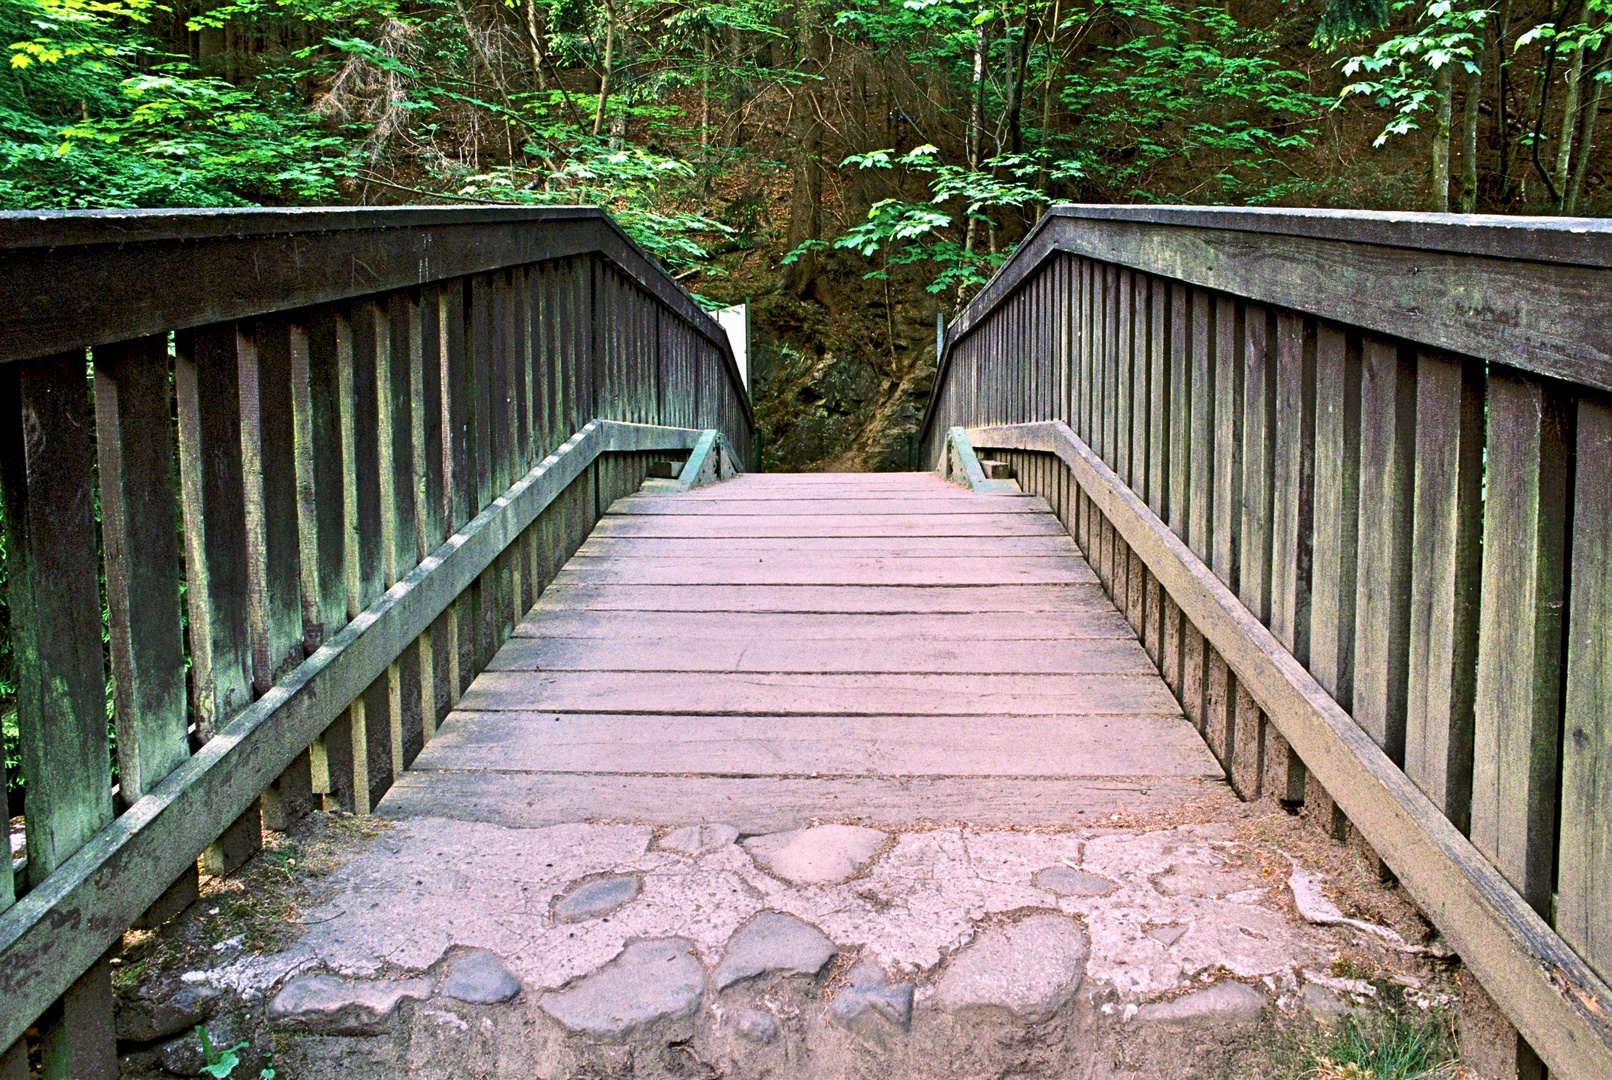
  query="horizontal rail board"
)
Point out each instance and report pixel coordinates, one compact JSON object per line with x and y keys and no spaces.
{"x":1553,"y":998}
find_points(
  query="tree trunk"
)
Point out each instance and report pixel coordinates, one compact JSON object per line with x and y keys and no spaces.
{"x":1047,"y":91}
{"x":1502,"y":101}
{"x":806,"y":197}
{"x":1564,"y":149}
{"x":705,"y":96}
{"x":976,"y":123}
{"x":1586,"y":137}
{"x":1439,"y":197}
{"x":609,"y":61}
{"x":1469,"y":135}
{"x":536,"y":42}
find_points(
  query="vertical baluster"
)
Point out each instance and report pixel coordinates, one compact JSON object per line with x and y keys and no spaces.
{"x":1445,"y":571}
{"x":317,"y":368}
{"x":1226,"y":520}
{"x":404,"y":675}
{"x":1202,"y":441}
{"x":431,"y":521}
{"x":1292,"y":513}
{"x":1518,"y":699}
{"x":274,"y":565}
{"x":46,"y":474}
{"x":207,"y":377}
{"x":140,"y":540}
{"x":1585,"y":856}
{"x":1382,"y":591}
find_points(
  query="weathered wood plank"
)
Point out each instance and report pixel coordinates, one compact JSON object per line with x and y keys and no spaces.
{"x":770,"y":803}
{"x":1445,"y":569}
{"x":1293,"y":485}
{"x":1383,"y":581}
{"x":1337,"y":510}
{"x":1585,"y":858}
{"x":140,"y":540}
{"x":1517,"y":708}
{"x":775,"y":653}
{"x":820,"y":569}
{"x":704,"y":526}
{"x":1258,"y":448}
{"x":207,"y":381}
{"x":1077,"y":619}
{"x":1011,"y":546}
{"x":715,"y":694}
{"x":983,"y":745}
{"x":966,"y":505}
{"x":46,"y":473}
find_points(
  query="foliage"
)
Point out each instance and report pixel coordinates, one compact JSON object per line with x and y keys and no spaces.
{"x":220,"y":1063}
{"x":92,"y":114}
{"x":1400,"y":71}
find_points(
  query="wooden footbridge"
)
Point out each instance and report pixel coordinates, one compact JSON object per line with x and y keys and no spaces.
{"x":440,"y":510}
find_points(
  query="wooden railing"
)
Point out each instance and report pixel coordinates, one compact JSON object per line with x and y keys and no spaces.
{"x":1349,"y":475}
{"x":393,"y":427}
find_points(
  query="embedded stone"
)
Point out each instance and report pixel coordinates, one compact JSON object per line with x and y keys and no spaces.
{"x":144,"y":1020}
{"x":870,"y":993}
{"x":324,"y":1005}
{"x":821,"y":855}
{"x":650,"y":980}
{"x":697,"y":840}
{"x":1030,"y":968}
{"x":756,"y":1025}
{"x":1222,"y":1003}
{"x":1067,"y":881}
{"x":773,"y":943}
{"x":479,"y":977}
{"x":1324,"y":1003}
{"x":596,"y":898}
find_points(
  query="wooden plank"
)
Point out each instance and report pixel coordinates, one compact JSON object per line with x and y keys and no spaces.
{"x":1557,"y":1003}
{"x":1585,"y":858}
{"x":1037,"y":545}
{"x":1078,"y":619}
{"x":769,"y":804}
{"x":207,"y":381}
{"x":949,"y":506}
{"x":1337,"y":509}
{"x":47,"y":470}
{"x":1257,"y":502}
{"x":1248,"y":745}
{"x":1517,"y":709}
{"x":1383,"y":581}
{"x":1201,"y":443}
{"x":706,"y":525}
{"x":273,"y":565}
{"x":717,"y":694}
{"x":1293,"y":485}
{"x":140,"y":541}
{"x":1445,"y":569}
{"x":775,"y":654}
{"x":46,"y":478}
{"x":1180,"y":408}
{"x":822,"y":570}
{"x":1225,"y":518}
{"x":316,"y":379}
{"x":986,"y":745}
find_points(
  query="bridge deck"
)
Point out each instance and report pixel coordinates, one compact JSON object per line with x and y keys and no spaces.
{"x":777,"y":649}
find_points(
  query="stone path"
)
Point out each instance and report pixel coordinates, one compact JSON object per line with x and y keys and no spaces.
{"x":811,"y":777}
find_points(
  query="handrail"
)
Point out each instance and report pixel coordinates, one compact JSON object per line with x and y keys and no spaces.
{"x":79,"y":278}
{"x":393,"y":428}
{"x":1388,"y":438}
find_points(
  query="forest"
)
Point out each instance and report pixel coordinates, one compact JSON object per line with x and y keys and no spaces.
{"x":850,"y":168}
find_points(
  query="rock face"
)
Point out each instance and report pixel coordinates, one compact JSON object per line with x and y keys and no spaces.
{"x":821,"y":855}
{"x":146,"y":1020}
{"x":651,"y":980}
{"x":478,"y":977}
{"x":598,"y":897}
{"x":1222,"y":1003}
{"x":323,"y":1005}
{"x":1031,"y":968}
{"x":773,"y":943}
{"x":697,"y":840}
{"x":1067,"y":881}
